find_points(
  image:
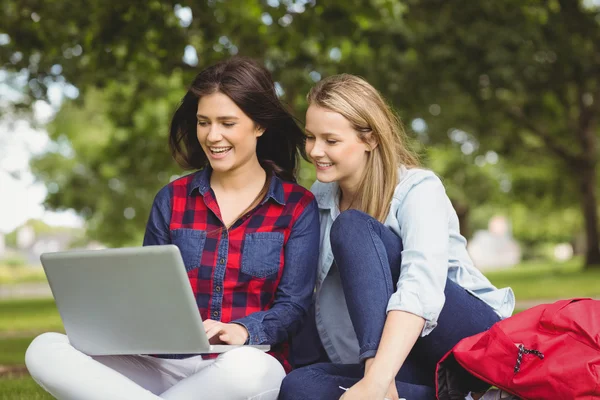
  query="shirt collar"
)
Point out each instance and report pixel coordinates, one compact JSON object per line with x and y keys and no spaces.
{"x":327,"y":196}
{"x":201,"y":182}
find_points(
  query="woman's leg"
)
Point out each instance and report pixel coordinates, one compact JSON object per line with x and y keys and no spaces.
{"x":243,"y":373}
{"x":322,"y":382}
{"x":67,"y":373}
{"x":369,"y":256}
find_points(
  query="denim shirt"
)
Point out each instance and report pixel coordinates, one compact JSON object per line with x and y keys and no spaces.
{"x":433,"y":251}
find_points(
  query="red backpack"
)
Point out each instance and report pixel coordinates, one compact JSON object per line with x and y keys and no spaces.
{"x":551,"y":351}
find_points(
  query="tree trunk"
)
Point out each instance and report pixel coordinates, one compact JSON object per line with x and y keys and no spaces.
{"x":590,"y":214}
{"x":589,"y":146}
{"x":462,"y":211}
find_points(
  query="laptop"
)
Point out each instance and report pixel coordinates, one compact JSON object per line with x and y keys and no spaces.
{"x":128,"y":301}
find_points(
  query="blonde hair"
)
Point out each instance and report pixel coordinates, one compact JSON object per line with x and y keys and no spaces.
{"x":362,"y":105}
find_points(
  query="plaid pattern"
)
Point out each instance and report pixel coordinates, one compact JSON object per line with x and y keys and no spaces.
{"x":235,"y":272}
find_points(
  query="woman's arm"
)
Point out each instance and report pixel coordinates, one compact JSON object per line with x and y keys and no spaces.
{"x":400,"y":334}
{"x":157,"y":227}
{"x":295,"y":290}
{"x":423,"y":225}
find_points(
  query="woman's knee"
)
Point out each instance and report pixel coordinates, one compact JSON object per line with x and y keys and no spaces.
{"x":294,"y":385}
{"x":346,"y":227}
{"x":312,"y":382}
{"x":256,"y":371}
{"x":43,"y":351}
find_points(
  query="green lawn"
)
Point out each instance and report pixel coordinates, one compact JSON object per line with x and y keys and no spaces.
{"x":12,"y":354}
{"x":549,"y":280}
{"x":10,"y":275}
{"x":21,"y":388}
{"x":35,"y":315}
{"x":22,"y":320}
{"x":12,"y":350}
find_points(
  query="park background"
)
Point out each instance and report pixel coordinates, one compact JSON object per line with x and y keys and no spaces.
{"x":501,"y":99}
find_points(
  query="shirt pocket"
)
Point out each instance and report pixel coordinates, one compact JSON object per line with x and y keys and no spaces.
{"x":190,"y":243}
{"x":262,"y":253}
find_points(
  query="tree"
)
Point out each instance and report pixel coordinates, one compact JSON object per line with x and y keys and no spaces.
{"x":127,"y":65}
{"x":468,"y":184}
{"x":531,"y":71}
{"x":495,"y":72}
{"x":106,"y":172}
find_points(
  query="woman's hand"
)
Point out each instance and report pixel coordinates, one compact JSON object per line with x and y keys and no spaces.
{"x":219,"y":333}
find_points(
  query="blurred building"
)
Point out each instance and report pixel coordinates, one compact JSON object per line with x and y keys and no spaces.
{"x":495,"y":247}
{"x":563,"y":252}
{"x":30,"y":245}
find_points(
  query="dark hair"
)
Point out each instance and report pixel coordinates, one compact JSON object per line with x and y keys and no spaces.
{"x":252,"y":89}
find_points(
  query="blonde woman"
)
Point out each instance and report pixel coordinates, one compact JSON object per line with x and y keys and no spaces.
{"x":396,"y":288}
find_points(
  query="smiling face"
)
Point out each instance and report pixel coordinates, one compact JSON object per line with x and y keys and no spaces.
{"x":227,"y":135}
{"x":334,"y":147}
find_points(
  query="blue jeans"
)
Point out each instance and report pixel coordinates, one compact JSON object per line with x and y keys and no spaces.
{"x":368,"y":270}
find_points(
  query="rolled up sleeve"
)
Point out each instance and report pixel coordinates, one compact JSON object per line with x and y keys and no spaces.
{"x":423,"y":219}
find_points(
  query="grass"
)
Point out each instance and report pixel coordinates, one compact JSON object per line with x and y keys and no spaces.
{"x":20,"y":322}
{"x":12,"y":353}
{"x":532,"y":280}
{"x":29,"y":315}
{"x":12,"y":275}
{"x":12,"y":350}
{"x":21,"y":388}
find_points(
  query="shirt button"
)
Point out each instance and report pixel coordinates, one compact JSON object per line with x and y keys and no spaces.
{"x":222,"y":261}
{"x":218,"y":288}
{"x":216,"y":313}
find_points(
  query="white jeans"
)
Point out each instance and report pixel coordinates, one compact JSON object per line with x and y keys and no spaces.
{"x":66,"y":373}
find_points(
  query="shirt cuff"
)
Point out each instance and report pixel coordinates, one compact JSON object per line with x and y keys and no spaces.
{"x":254,"y":328}
{"x":410,"y":302}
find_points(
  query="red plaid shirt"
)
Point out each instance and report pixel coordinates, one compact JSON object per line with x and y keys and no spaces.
{"x":261,"y":272}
